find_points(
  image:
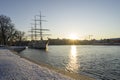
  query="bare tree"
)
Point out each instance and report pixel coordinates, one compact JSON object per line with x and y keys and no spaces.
{"x":8,"y":33}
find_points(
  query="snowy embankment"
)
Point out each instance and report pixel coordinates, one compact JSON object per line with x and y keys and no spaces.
{"x":13,"y":67}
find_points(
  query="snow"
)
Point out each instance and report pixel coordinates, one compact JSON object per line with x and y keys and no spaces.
{"x":13,"y":67}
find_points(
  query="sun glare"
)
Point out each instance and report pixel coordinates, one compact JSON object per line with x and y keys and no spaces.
{"x":73,"y":37}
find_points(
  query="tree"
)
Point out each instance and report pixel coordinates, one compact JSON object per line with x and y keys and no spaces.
{"x":8,"y":33}
{"x":5,"y":23}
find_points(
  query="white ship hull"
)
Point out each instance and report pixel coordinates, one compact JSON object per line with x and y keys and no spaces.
{"x":39,"y":45}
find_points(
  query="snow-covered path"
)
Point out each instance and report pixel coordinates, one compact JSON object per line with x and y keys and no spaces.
{"x":12,"y":67}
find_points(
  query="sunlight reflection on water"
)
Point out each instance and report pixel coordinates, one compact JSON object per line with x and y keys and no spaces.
{"x":102,"y":62}
{"x":72,"y":64}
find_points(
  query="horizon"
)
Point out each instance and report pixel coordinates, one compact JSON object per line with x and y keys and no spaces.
{"x":81,"y":18}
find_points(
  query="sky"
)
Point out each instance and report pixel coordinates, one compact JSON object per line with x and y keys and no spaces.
{"x":99,"y":18}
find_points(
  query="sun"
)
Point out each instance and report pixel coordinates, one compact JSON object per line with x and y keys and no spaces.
{"x":73,"y":37}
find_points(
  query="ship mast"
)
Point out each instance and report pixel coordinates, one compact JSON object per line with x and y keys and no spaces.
{"x":33,"y":30}
{"x":41,"y":44}
{"x":31,"y":33}
{"x":40,"y":21}
{"x":41,"y":27}
{"x":36,"y":30}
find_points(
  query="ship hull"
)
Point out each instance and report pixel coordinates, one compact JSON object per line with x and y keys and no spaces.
{"x":39,"y":45}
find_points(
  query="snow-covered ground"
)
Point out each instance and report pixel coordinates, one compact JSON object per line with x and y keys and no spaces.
{"x":13,"y":67}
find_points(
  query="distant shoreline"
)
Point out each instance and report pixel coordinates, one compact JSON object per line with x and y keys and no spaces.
{"x":87,"y":44}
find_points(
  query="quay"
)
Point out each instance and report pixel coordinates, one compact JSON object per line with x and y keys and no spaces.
{"x":14,"y":67}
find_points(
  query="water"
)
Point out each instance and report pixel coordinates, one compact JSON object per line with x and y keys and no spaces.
{"x":101,"y":62}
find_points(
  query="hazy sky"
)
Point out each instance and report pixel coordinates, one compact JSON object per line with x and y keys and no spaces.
{"x":100,"y":18}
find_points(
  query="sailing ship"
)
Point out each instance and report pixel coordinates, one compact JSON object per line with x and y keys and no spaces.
{"x":35,"y":43}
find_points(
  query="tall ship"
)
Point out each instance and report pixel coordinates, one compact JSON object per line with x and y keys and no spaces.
{"x":37,"y":34}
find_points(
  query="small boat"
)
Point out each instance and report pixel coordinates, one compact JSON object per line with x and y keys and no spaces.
{"x":16,"y":48}
{"x":2,"y":47}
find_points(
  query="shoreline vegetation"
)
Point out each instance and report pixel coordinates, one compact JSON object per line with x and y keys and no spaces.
{"x":66,"y":73}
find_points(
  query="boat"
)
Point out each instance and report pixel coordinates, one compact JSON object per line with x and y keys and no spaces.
{"x":38,"y":32}
{"x":16,"y":48}
{"x":13,"y":48}
{"x":39,"y":45}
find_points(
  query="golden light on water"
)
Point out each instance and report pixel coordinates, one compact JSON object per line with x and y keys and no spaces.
{"x":73,"y":51}
{"x":72,"y":64}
